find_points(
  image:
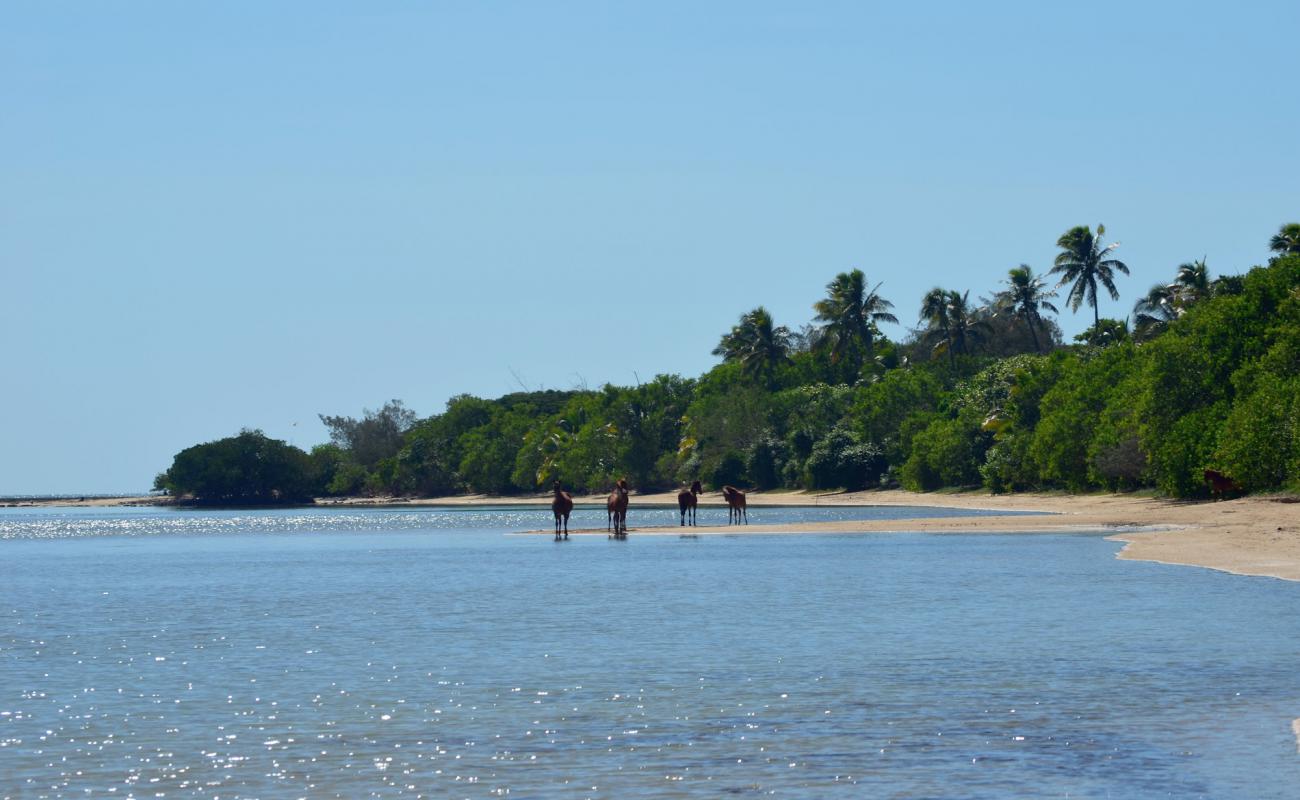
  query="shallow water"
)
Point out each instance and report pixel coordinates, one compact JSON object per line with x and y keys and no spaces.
{"x":35,"y":522}
{"x":329,"y":653}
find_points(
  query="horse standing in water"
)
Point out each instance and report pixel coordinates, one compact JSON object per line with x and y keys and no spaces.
{"x":735,"y":504}
{"x":561,"y":507}
{"x":687,"y":500}
{"x":616,"y":508}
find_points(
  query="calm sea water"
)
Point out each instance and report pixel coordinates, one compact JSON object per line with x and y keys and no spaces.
{"x":322,"y":653}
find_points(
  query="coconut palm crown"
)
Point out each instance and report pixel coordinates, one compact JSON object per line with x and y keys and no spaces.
{"x":1083,"y":263}
{"x":849,"y":313}
{"x":1155,"y":310}
{"x":950,"y":319}
{"x":966,"y":325}
{"x":756,"y":343}
{"x":1287,"y":239}
{"x":1192,"y":283}
{"x":1026,"y":296}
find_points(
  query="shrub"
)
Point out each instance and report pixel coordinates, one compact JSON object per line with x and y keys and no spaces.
{"x":246,"y":469}
{"x":840,"y":460}
{"x":949,"y":452}
{"x":1258,"y":446}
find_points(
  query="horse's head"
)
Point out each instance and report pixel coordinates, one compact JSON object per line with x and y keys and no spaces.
{"x":696,"y":488}
{"x":622,"y":484}
{"x":556,"y":487}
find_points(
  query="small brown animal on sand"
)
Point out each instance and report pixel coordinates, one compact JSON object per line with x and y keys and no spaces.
{"x":735,"y":504}
{"x":561,"y":507}
{"x":687,"y":500}
{"x":1220,"y":484}
{"x":616,"y":509}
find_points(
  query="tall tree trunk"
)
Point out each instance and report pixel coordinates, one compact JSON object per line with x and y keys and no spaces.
{"x":1030,"y":321}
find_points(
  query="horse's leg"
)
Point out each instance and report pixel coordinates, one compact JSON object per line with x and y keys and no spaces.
{"x":745,"y":509}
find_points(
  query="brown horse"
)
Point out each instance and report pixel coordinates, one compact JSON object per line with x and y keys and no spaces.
{"x":735,"y":504}
{"x":687,"y":500}
{"x":616,"y":508}
{"x":561,"y":507}
{"x":1220,"y":484}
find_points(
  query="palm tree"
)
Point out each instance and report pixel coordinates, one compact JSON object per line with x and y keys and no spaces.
{"x":756,"y":343}
{"x":1025,"y":296}
{"x":1156,"y":310}
{"x":1083,"y":262}
{"x":1192,"y":283}
{"x":965,"y":324}
{"x":948,"y":314}
{"x":1287,"y":240}
{"x":849,"y":314}
{"x":934,"y":312}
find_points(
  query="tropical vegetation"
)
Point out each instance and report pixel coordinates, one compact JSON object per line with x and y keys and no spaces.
{"x":978,"y":394}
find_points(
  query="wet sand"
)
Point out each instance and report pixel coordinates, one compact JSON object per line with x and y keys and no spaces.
{"x":1247,"y":536}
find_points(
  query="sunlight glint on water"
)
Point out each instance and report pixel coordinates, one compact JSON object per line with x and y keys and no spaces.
{"x":408,"y":653}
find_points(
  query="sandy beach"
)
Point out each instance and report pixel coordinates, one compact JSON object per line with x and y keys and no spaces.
{"x":1247,"y":536}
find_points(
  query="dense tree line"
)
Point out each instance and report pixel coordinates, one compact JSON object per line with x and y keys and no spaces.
{"x":980,"y":393}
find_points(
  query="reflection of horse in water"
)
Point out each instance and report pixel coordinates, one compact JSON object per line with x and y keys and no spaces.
{"x":687,"y":500}
{"x":561,"y":507}
{"x":735,"y":504}
{"x":616,"y":508}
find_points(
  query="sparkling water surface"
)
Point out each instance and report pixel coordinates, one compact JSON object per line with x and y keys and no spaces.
{"x":403,"y":653}
{"x":35,"y":522}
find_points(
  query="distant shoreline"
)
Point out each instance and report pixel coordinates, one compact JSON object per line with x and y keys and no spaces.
{"x":1258,"y":535}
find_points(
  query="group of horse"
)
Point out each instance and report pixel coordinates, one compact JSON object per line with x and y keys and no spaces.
{"x":616,"y":508}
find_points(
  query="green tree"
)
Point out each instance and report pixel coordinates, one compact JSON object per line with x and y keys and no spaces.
{"x":934,"y":315}
{"x":1083,"y":263}
{"x":1026,"y":296}
{"x":966,"y":326}
{"x":248,"y":469}
{"x":1155,"y":310}
{"x":947,"y":452}
{"x":758,"y":345}
{"x":841,"y":460}
{"x":951,"y":320}
{"x":848,"y":316}
{"x":375,"y":436}
{"x":1287,"y":240}
{"x":881,"y":408}
{"x":1105,"y":333}
{"x":1191,"y":282}
{"x":1260,"y":445}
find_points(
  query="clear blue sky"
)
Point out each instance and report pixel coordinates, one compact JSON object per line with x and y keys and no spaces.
{"x":245,"y":214}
